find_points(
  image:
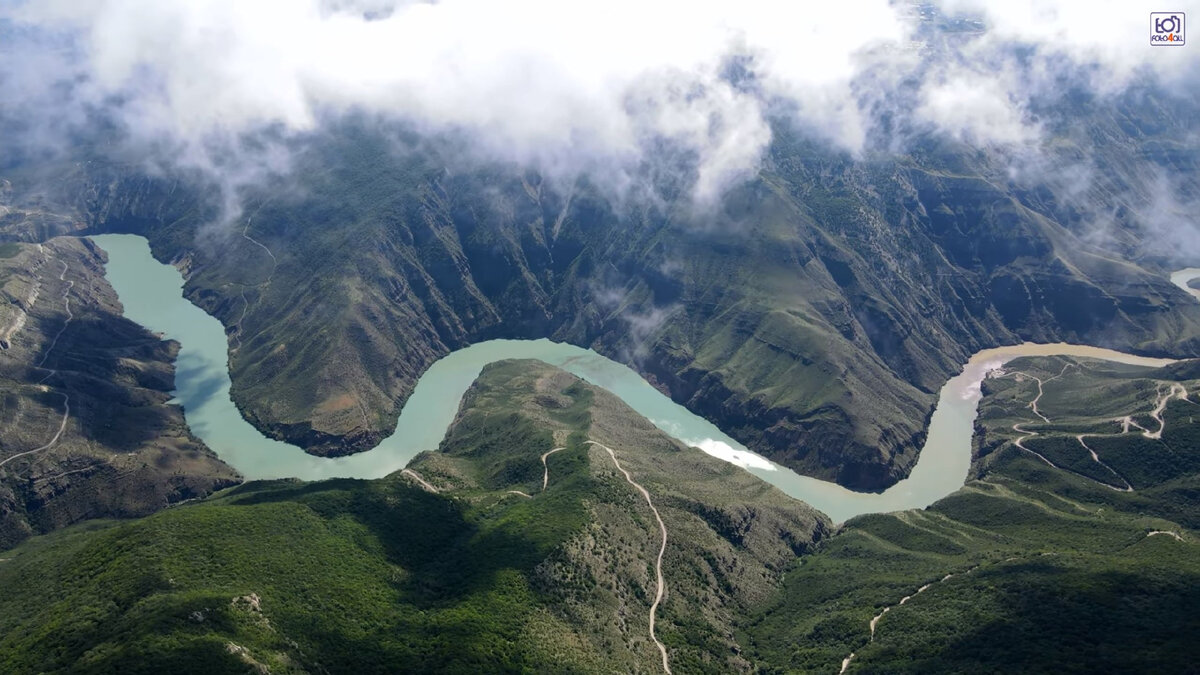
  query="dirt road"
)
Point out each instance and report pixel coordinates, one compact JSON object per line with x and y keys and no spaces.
{"x":658,"y":594}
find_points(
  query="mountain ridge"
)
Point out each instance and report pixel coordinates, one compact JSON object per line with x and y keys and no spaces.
{"x":813,"y":315}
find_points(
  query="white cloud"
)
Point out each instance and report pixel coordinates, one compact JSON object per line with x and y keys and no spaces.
{"x":1112,"y":34}
{"x":976,"y":108}
{"x":562,"y":83}
{"x":535,"y":78}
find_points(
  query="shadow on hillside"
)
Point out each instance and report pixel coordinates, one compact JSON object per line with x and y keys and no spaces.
{"x":113,"y":403}
{"x":446,"y":554}
{"x":1069,"y":619}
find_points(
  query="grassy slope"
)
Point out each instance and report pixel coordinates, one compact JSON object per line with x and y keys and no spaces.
{"x":1053,"y":572}
{"x":731,"y":535}
{"x":383,"y":576}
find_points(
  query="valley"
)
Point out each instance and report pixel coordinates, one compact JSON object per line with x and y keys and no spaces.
{"x":1034,"y":564}
{"x":375,"y":336}
{"x":480,"y":462}
{"x":343,"y":572}
{"x":1032,"y":553}
{"x":150,"y":287}
{"x":520,"y":424}
{"x":848,"y":293}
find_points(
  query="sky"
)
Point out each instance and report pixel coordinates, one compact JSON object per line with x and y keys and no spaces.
{"x":566,"y":85}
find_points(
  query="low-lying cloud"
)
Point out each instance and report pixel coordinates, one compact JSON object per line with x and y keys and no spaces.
{"x":568,"y":85}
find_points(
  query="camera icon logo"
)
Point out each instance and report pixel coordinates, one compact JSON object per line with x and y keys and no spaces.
{"x":1169,"y":24}
{"x":1167,"y":29}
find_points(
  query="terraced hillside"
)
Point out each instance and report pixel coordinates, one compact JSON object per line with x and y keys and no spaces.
{"x":85,"y":431}
{"x":463,"y":562}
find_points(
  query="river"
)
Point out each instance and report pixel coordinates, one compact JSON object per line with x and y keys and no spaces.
{"x":151,"y":293}
{"x":1182,"y":277}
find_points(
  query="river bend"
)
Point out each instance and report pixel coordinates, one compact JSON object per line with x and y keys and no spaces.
{"x":151,"y":293}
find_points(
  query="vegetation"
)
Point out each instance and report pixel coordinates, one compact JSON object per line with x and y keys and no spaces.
{"x":813,"y":315}
{"x":351,"y":576}
{"x":385,"y":576}
{"x":1030,"y":566}
{"x":1053,"y":571}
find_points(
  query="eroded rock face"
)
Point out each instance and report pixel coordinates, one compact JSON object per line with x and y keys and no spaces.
{"x":86,"y":429}
{"x":813,"y":315}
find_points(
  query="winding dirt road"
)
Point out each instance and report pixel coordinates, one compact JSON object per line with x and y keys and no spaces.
{"x":1041,"y":384}
{"x":51,"y":372}
{"x":1176,"y":391}
{"x":546,"y":468}
{"x":90,"y":467}
{"x":1096,"y":458}
{"x":1160,"y":404}
{"x":58,"y":434}
{"x":420,"y":481}
{"x":66,"y":296}
{"x":875,"y":621}
{"x":1020,"y":443}
{"x":658,"y":594}
{"x":237,"y":334}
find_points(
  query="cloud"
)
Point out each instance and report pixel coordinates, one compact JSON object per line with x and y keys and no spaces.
{"x":569,"y":86}
{"x":641,"y":321}
{"x":1113,"y":35}
{"x":534,"y":80}
{"x":1028,"y":54}
{"x":977,"y":109}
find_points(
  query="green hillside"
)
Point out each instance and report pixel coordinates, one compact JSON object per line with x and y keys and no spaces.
{"x":464,"y":563}
{"x":388,"y":576}
{"x":1053,"y":570}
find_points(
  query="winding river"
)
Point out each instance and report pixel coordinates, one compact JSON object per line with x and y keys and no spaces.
{"x":1182,"y":277}
{"x":151,"y":293}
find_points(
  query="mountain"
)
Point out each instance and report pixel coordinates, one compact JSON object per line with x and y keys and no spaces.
{"x":463,"y":562}
{"x":85,"y":428}
{"x":1057,"y":561}
{"x":797,"y":221}
{"x":813,"y":312}
{"x":813,"y":315}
